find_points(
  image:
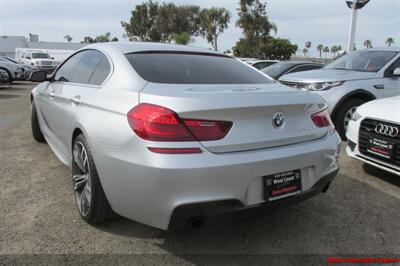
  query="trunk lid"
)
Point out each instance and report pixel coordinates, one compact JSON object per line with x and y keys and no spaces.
{"x":251,"y":108}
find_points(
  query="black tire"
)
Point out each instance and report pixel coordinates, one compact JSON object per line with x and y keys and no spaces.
{"x":99,"y":209}
{"x":9,"y":78}
{"x":36,"y":132}
{"x":339,"y":117}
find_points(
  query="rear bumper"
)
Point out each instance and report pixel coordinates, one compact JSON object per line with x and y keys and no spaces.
{"x":149,"y":188}
{"x":232,"y":209}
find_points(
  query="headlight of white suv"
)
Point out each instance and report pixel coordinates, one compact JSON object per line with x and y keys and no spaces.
{"x":37,"y":63}
{"x":322,"y":86}
{"x":356,"y":116}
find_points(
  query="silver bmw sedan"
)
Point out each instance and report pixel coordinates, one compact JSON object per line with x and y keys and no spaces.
{"x":174,"y":136}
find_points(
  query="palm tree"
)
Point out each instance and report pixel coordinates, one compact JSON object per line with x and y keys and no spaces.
{"x":326,"y":50}
{"x":320,"y":47}
{"x":308,"y":45}
{"x":305,"y":51}
{"x":334,"y":50}
{"x":368,"y":43}
{"x":389,"y":41}
{"x":68,"y":38}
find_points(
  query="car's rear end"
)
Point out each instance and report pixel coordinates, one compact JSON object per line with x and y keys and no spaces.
{"x":209,"y":136}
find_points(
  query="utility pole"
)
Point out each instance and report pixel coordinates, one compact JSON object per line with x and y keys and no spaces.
{"x":354,"y":5}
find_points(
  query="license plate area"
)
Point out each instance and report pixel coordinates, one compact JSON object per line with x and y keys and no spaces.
{"x":282,"y":185}
{"x":381,"y":148}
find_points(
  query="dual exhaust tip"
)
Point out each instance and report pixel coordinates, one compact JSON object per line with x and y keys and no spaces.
{"x":197,"y":222}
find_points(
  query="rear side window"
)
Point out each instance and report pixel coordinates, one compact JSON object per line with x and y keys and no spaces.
{"x":101,"y":72}
{"x":86,"y":66}
{"x":193,"y":68}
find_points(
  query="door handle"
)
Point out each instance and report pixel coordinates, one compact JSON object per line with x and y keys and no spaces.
{"x":51,"y":94}
{"x":379,"y":86}
{"x":76,"y":100}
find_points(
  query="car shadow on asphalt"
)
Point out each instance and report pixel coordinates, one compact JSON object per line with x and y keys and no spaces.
{"x":381,"y":174}
{"x":347,"y":219}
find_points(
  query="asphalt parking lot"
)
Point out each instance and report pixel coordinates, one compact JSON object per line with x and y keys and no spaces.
{"x":359,"y":215}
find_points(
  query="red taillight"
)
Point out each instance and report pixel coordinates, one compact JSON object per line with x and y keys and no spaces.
{"x":175,"y":150}
{"x":322,"y":118}
{"x":208,"y":130}
{"x":157,"y":123}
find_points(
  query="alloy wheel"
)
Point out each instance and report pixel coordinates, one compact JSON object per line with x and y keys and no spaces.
{"x":81,"y":178}
{"x":348,"y":117}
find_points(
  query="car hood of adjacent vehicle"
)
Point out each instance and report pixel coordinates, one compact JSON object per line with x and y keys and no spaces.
{"x":385,"y":109}
{"x":327,"y":75}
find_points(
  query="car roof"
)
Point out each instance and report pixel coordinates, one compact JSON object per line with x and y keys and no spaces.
{"x":132,"y":47}
{"x":389,"y":48}
{"x":302,"y":62}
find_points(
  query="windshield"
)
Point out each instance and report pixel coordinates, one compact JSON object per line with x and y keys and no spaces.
{"x":275,"y":70}
{"x":9,"y":59}
{"x":366,"y":61}
{"x":41,"y":55}
{"x":193,"y":68}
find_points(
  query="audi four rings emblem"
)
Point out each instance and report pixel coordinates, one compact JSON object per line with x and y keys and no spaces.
{"x":386,"y":130}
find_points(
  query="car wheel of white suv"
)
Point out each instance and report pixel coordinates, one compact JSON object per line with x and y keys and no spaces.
{"x":344,"y":114}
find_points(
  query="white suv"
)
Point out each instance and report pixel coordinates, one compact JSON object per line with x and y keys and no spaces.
{"x":40,"y":60}
{"x":351,"y":80}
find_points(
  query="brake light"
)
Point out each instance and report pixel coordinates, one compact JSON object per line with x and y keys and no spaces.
{"x":175,"y":150}
{"x":322,"y":118}
{"x":204,"y":130}
{"x":157,"y":123}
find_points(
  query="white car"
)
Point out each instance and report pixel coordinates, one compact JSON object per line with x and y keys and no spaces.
{"x":40,"y":60}
{"x":15,"y":71}
{"x":374,"y":134}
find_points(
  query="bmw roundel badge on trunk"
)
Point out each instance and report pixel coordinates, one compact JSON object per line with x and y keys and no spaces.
{"x":278,"y":119}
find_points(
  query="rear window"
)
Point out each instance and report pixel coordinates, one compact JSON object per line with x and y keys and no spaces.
{"x":193,"y":68}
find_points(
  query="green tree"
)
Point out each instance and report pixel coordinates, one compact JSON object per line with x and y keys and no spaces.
{"x":253,"y":21}
{"x":142,"y":24}
{"x":103,"y":37}
{"x":334,"y":50}
{"x":153,"y":22}
{"x":368,"y":43}
{"x":278,"y":49}
{"x":181,"y":38}
{"x":308,"y":45}
{"x":115,"y":39}
{"x":320,"y":47}
{"x":68,"y":38}
{"x":213,"y":22}
{"x":326,"y":51}
{"x":389,"y":41}
{"x":88,"y":39}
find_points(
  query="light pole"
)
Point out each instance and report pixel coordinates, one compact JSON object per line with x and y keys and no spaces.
{"x":354,"y":5}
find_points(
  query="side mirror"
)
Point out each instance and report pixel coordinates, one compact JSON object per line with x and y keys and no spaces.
{"x":28,"y":57}
{"x":52,"y":58}
{"x":38,"y":76}
{"x":396,"y":73}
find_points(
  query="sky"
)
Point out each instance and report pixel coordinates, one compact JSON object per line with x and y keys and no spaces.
{"x":319,"y":21}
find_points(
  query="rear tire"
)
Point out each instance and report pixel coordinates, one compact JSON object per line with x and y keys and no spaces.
{"x":91,"y":201}
{"x":343,"y":115}
{"x":36,"y":132}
